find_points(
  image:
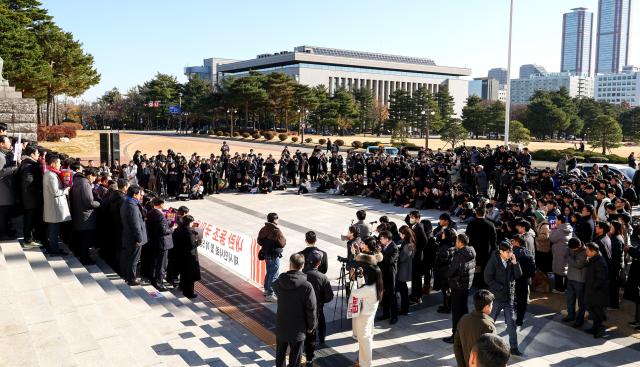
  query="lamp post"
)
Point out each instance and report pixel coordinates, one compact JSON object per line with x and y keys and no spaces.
{"x":302,"y":125}
{"x":180,"y":106}
{"x":426,"y":126}
{"x":232,"y":111}
{"x":507,"y":113}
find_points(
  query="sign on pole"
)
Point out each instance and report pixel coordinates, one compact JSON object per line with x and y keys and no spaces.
{"x":175,"y":110}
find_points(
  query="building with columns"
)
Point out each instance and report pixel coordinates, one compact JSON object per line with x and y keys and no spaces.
{"x":334,"y":68}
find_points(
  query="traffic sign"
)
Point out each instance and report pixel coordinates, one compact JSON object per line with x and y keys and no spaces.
{"x":174,"y":110}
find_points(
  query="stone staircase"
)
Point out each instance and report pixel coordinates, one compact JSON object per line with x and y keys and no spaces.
{"x":57,"y":312}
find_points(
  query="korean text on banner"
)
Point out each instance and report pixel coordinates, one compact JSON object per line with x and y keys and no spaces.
{"x":234,"y":251}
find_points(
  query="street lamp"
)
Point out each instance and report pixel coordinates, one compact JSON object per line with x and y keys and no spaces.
{"x":180,"y":119}
{"x":232,"y":111}
{"x":302,"y":125}
{"x":507,"y":113}
{"x":426,"y":127}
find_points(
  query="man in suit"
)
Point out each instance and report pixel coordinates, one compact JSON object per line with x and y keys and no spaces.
{"x":84,"y":214}
{"x":482,"y":237}
{"x":596,"y":295}
{"x":134,"y":232}
{"x":7,"y":197}
{"x":389,"y":268}
{"x":310,"y":239}
{"x":417,"y":268}
{"x":30,"y":172}
{"x":161,"y":241}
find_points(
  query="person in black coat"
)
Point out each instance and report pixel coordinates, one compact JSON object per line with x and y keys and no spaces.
{"x":616,"y":264}
{"x":84,"y":214}
{"x":160,"y":242}
{"x":113,"y":249}
{"x":296,"y":315}
{"x":417,"y":265}
{"x":134,"y":233}
{"x":632,"y":286}
{"x":30,"y":173}
{"x":528,"y":267}
{"x":596,"y":294}
{"x":324,"y":294}
{"x":585,"y":227}
{"x":446,"y":240}
{"x":482,"y":237}
{"x":310,"y":239}
{"x":185,"y":246}
{"x":460,"y":275}
{"x":389,"y":268}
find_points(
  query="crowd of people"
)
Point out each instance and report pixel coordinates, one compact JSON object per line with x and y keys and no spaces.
{"x":562,"y":229}
{"x":96,"y":208}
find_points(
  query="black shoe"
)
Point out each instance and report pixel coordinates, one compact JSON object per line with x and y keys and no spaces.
{"x":448,"y":340}
{"x":133,"y":283}
{"x":578,"y":324}
{"x":568,"y":319}
{"x":634,"y":324}
{"x":383,"y":317}
{"x":516,"y":352}
{"x":393,"y":321}
{"x":415,"y":302}
{"x":598,"y":333}
{"x":161,"y":288}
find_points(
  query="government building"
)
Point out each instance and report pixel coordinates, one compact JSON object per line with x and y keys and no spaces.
{"x":381,"y":73}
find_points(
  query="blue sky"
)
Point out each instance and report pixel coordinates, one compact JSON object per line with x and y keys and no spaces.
{"x":132,"y":40}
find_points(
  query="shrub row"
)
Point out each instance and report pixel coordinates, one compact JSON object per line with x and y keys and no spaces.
{"x":554,"y":155}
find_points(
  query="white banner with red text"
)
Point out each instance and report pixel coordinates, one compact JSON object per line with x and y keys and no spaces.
{"x":232,"y":250}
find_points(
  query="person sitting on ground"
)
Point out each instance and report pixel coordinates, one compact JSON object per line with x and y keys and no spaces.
{"x":265,"y":186}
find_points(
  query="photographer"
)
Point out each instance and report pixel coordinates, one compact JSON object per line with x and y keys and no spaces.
{"x":389,"y":268}
{"x":272,"y":241}
{"x":366,"y":285}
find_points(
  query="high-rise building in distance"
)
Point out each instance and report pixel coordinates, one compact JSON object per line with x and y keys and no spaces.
{"x":612,"y":49}
{"x":577,"y":30}
{"x":531,"y":69}
{"x":499,"y":74}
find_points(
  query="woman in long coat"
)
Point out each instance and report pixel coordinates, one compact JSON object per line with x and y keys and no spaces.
{"x":185,"y":245}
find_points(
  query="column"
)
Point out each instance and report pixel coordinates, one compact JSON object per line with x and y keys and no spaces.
{"x":330,"y":86}
{"x":386,"y":91}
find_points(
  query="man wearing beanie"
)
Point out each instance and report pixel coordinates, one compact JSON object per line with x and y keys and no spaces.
{"x":500,"y":275}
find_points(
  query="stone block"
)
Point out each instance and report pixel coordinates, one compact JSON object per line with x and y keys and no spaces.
{"x":29,"y":118}
{"x":6,"y":117}
{"x":6,"y":106}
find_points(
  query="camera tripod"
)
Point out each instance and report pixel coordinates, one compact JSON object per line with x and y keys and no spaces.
{"x":343,"y":292}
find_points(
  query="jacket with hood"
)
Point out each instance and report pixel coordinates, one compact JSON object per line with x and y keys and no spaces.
{"x":462,"y":268}
{"x":296,"y":306}
{"x":559,"y":239}
{"x":271,"y":239}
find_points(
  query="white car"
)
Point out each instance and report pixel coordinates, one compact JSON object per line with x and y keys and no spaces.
{"x":619,"y":169}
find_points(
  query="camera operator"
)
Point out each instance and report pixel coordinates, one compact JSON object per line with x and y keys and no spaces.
{"x":353,"y":243}
{"x":389,"y":268}
{"x":366,"y":284}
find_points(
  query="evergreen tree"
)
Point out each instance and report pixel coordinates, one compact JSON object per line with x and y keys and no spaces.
{"x":446,"y":104}
{"x":605,"y":133}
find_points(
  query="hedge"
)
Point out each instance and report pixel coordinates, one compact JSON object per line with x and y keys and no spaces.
{"x":294,"y":139}
{"x":356,"y":144}
{"x":554,"y":155}
{"x":268,"y":135}
{"x":256,"y":135}
{"x":339,"y":142}
{"x":219,"y":133}
{"x":368,"y":144}
{"x":308,"y":140}
{"x":283,"y":136}
{"x":55,"y":132}
{"x":236,"y":134}
{"x":322,"y":141}
{"x":407,"y":146}
{"x":246,"y":135}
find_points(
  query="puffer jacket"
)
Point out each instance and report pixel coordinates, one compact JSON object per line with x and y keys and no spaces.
{"x":542,"y":237}
{"x":462,"y":268}
{"x":444,"y":257}
{"x":296,"y":306}
{"x":559,"y":238}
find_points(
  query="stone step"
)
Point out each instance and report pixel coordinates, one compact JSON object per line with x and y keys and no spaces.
{"x":139,"y":331}
{"x":215,"y":327}
{"x":34,"y":315}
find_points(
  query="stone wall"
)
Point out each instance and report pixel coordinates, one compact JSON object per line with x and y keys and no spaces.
{"x":18,"y":113}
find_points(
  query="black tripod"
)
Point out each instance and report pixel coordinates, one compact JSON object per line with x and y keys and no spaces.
{"x":343,"y":292}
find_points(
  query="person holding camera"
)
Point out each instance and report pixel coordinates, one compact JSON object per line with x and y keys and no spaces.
{"x":389,"y":268}
{"x":272,"y":241}
{"x":366,"y":285}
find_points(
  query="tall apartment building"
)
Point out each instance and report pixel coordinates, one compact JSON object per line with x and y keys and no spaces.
{"x":500,"y":74}
{"x":612,"y":48}
{"x":577,"y":30}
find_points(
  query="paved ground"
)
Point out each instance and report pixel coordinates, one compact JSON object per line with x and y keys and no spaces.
{"x":415,"y":340}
